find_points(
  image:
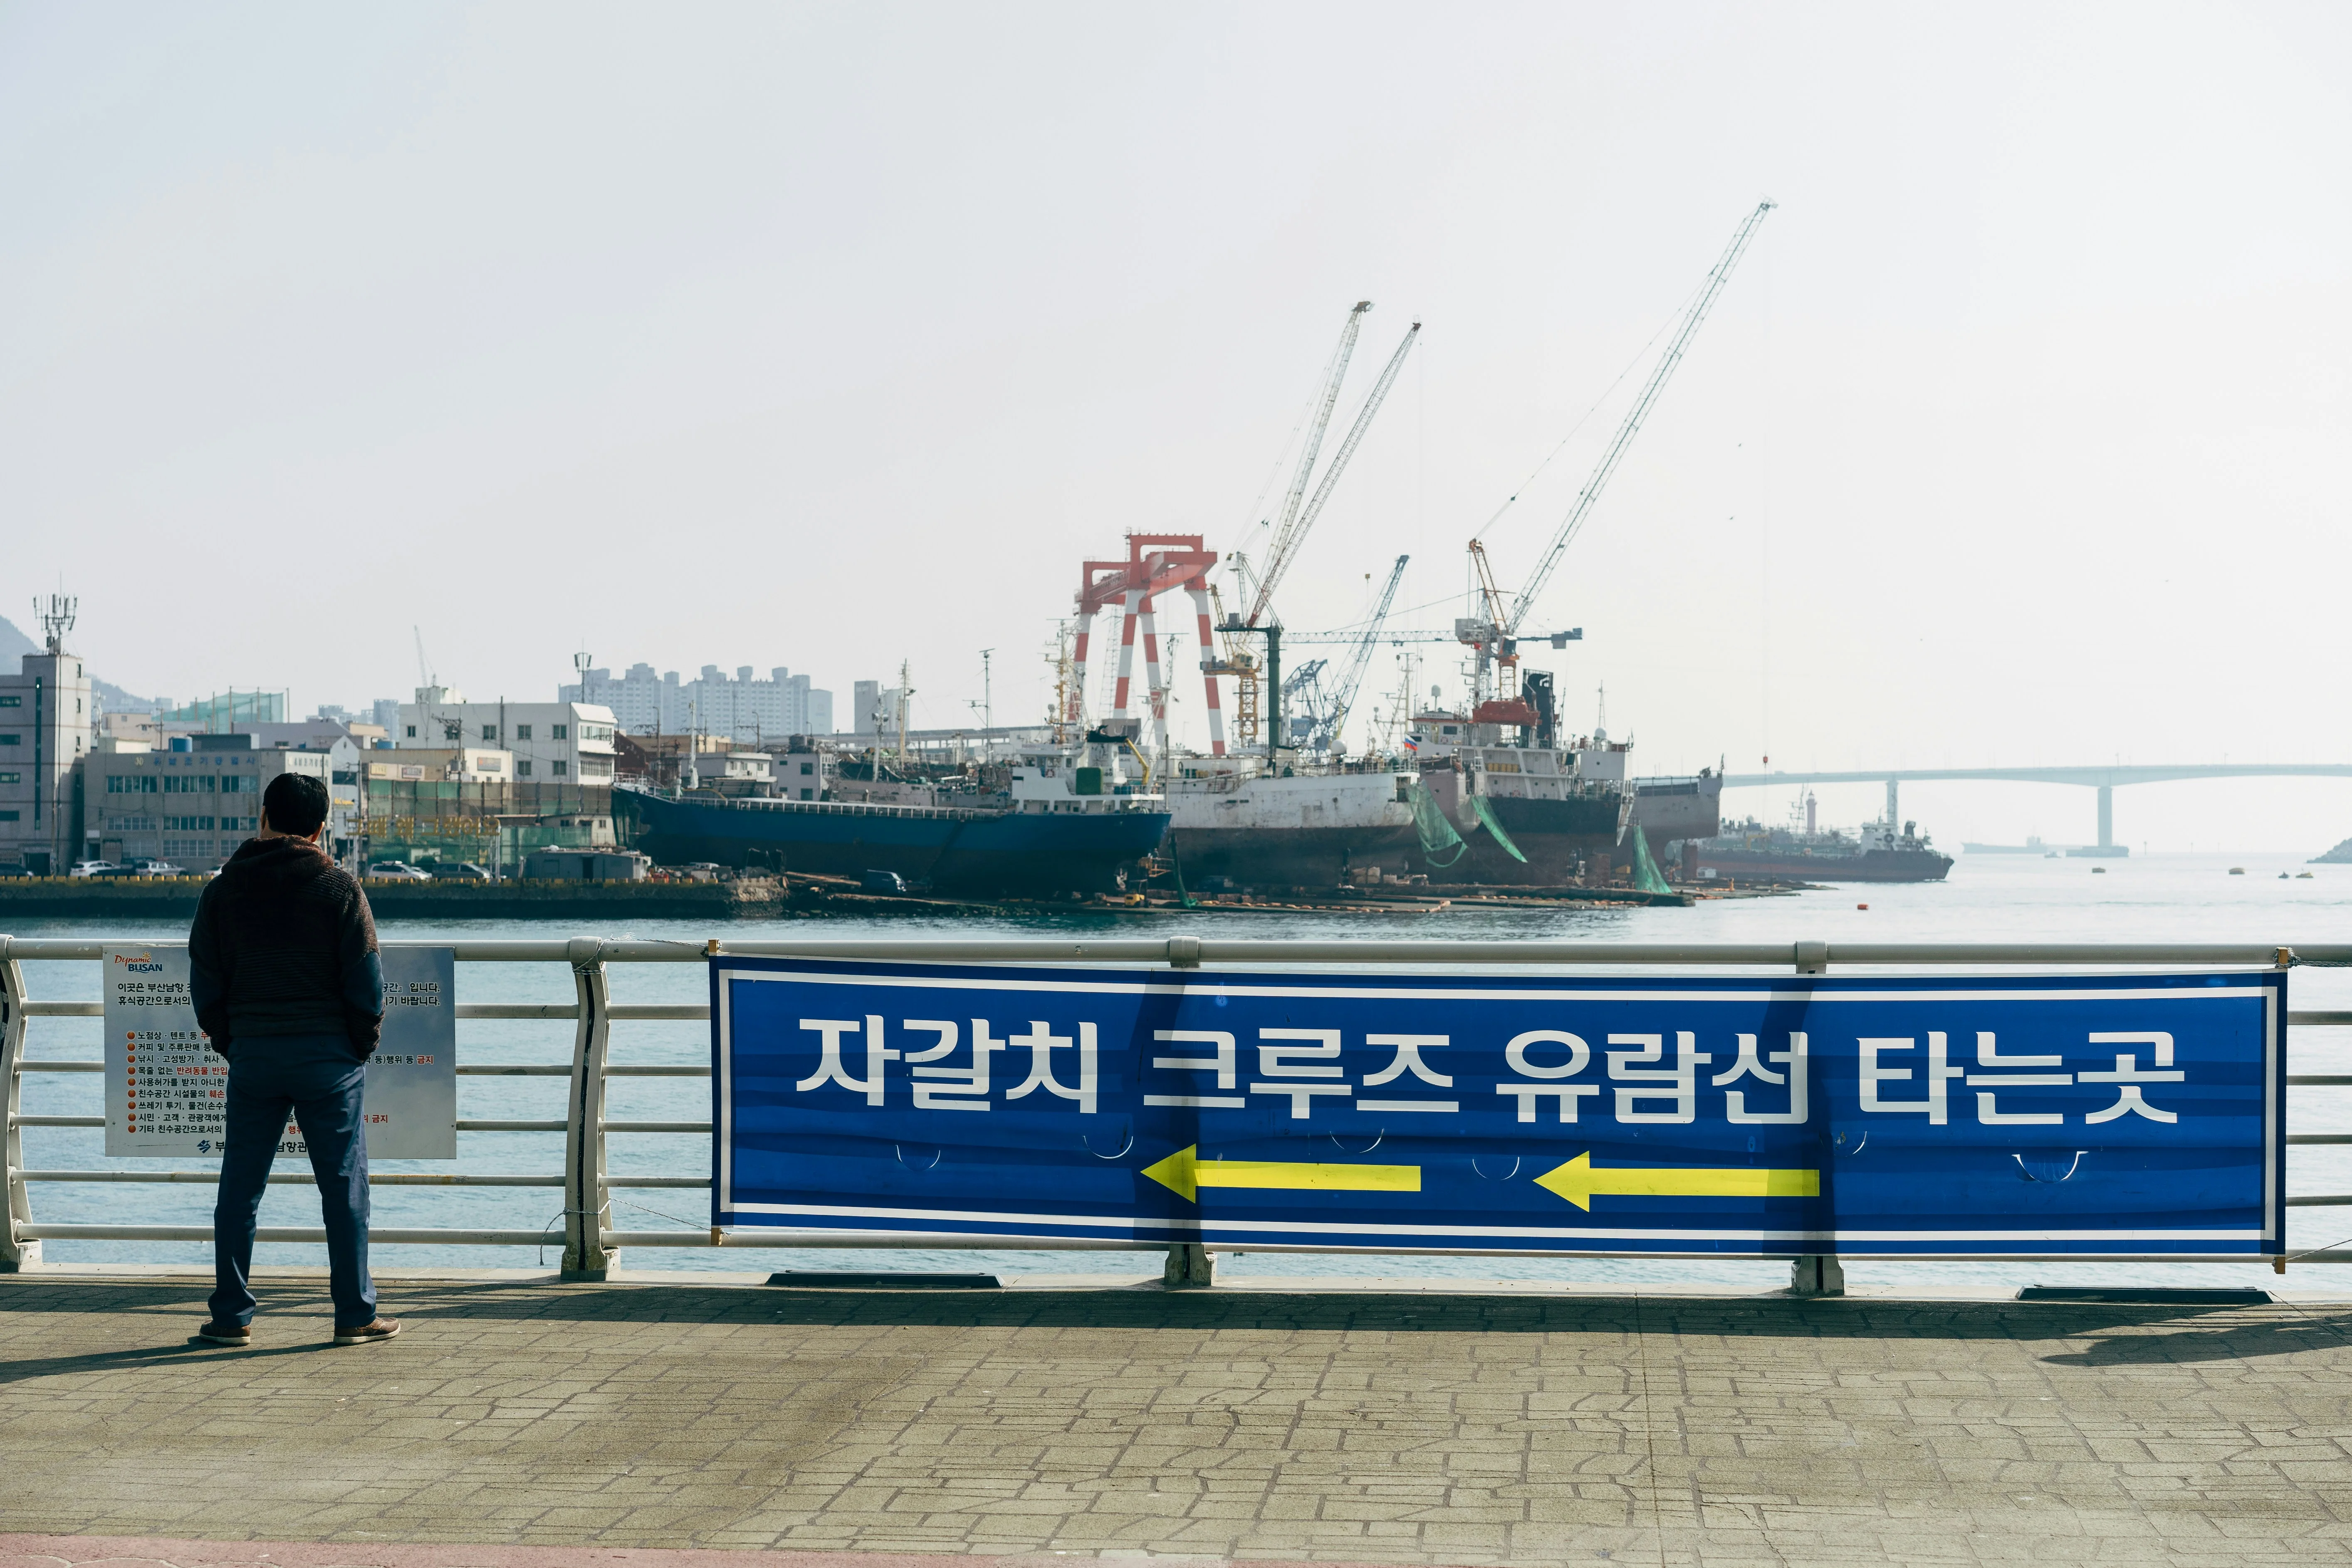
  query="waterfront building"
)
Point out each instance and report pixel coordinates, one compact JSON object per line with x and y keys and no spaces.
{"x":191,"y":804}
{"x":742,"y":707}
{"x":44,"y":734}
{"x":459,"y":803}
{"x":552,"y":742}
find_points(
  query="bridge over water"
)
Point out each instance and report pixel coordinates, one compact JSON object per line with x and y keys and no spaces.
{"x":2105,"y":777}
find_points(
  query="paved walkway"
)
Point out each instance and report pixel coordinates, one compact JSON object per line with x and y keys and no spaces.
{"x":1348,"y":1428}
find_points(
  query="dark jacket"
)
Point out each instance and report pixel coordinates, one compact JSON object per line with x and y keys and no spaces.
{"x":284,"y":944}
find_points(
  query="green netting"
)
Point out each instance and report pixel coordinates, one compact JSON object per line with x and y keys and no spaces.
{"x":1646,"y":875}
{"x":1437,"y":834}
{"x":1487,"y":816}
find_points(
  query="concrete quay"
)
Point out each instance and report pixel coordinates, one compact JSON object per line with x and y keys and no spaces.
{"x":519,"y":1422}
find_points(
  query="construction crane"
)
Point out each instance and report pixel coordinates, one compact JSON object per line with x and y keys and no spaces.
{"x":1494,"y":632}
{"x":1331,"y":722}
{"x":1318,"y":422}
{"x":1303,"y":698}
{"x":1299,"y":511}
{"x":1297,"y":521}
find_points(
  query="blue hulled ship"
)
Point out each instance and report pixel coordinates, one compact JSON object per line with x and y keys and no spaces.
{"x":1055,"y":830}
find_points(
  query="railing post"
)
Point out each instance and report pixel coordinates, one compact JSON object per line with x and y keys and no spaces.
{"x":585,"y":1257}
{"x":1816,"y":1274}
{"x":15,"y":1255}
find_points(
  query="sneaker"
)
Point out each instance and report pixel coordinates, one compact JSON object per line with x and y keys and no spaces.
{"x":224,"y":1335}
{"x":369,"y":1333}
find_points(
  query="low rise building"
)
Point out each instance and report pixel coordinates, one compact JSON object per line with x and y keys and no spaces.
{"x":192,"y":804}
{"x":586,"y":865}
{"x":551,"y":743}
{"x":459,"y":765}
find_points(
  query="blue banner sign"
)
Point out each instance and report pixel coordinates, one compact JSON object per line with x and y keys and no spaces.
{"x":1983,"y":1117}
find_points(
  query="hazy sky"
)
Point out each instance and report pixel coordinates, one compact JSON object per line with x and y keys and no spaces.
{"x":830,"y":336}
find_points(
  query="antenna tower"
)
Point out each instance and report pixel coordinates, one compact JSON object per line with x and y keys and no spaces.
{"x":57,"y":619}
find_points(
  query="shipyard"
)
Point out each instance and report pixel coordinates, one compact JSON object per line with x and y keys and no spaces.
{"x":1490,"y":790}
{"x":1370,"y":785}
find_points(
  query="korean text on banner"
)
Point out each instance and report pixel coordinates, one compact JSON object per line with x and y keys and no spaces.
{"x":2008,"y":1116}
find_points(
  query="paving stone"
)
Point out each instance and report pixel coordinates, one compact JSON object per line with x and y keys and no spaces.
{"x":1409,"y":1429}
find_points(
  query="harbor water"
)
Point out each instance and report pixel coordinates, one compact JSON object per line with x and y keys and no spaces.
{"x":2155,"y":899}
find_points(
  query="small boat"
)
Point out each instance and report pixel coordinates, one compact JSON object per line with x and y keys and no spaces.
{"x":2237,"y":870}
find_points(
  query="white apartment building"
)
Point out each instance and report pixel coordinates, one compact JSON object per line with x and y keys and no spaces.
{"x":45,"y":732}
{"x":742,"y":706}
{"x":552,"y":743}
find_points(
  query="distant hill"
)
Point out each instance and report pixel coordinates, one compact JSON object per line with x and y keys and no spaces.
{"x":2339,"y":856}
{"x":112,"y":698}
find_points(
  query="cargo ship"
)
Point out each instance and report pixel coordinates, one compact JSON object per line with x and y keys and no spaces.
{"x":1470,"y":809}
{"x":1878,"y":854}
{"x":1060,"y":826}
{"x":1316,"y":827}
{"x":1528,"y":815}
{"x":2034,"y":847}
{"x":1672,"y":810}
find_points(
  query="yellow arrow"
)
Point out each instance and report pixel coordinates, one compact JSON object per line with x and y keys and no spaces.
{"x":1577,"y":1182}
{"x":1184,"y":1173}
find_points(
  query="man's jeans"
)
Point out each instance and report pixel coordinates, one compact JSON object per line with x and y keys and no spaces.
{"x":319,"y":1079}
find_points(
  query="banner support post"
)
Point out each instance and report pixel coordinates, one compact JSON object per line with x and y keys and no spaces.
{"x":1815,"y":1273}
{"x":1189,"y":1265}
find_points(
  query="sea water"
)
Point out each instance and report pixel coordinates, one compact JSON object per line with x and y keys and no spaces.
{"x":2155,"y":899}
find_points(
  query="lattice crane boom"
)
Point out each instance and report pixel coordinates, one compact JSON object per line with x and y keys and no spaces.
{"x":1348,"y":444}
{"x":1286,"y":531}
{"x":1591,"y":494}
{"x":1360,"y":659}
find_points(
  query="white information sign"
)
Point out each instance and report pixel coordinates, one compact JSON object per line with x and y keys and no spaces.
{"x":166,"y":1090}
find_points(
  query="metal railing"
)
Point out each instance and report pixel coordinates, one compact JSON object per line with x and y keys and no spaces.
{"x":590,"y":1242}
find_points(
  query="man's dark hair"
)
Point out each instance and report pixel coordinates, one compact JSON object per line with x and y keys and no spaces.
{"x":295,"y":803}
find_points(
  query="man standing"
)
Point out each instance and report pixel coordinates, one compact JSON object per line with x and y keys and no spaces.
{"x":283,"y":971}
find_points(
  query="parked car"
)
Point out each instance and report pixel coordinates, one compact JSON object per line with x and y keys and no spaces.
{"x":462,"y":871}
{"x":397,"y":872}
{"x":150,"y":868}
{"x":92,"y":868}
{"x":15,"y":869}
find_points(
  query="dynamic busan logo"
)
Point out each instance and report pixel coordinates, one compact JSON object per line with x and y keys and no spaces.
{"x":139,"y":962}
